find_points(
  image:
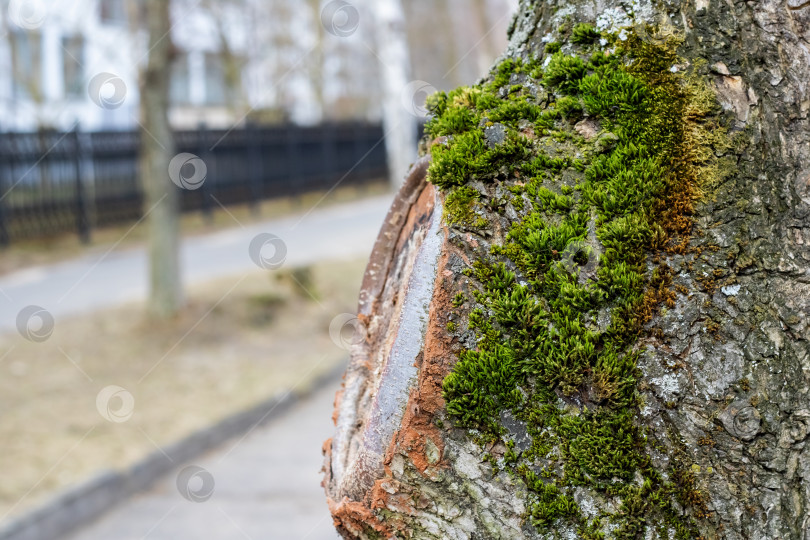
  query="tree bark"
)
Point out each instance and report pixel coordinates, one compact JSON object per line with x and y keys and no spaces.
{"x":718,"y":409}
{"x":162,"y":200}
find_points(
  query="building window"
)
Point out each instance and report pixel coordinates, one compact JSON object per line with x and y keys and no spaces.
{"x":216,"y":88}
{"x":179,"y":89}
{"x":73,"y":65}
{"x":113,"y":11}
{"x":26,"y":61}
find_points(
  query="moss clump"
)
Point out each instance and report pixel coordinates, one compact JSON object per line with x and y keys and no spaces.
{"x":560,"y":304}
{"x":564,"y":72}
{"x":451,"y":164}
{"x":548,"y":503}
{"x":459,"y":208}
{"x":584,"y":34}
{"x":570,"y":108}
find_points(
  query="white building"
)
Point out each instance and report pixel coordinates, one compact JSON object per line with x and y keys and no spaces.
{"x":64,"y":62}
{"x":69,"y":61}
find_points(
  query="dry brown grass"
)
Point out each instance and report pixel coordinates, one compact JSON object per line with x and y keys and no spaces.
{"x":223,"y":354}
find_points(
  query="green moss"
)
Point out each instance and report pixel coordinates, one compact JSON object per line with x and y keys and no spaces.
{"x":469,"y":157}
{"x":546,"y":504}
{"x":465,"y":158}
{"x":560,"y":304}
{"x":459,"y":207}
{"x":504,"y":72}
{"x":584,"y":34}
{"x":570,"y":108}
{"x":478,"y":382}
{"x":610,"y":90}
{"x":564,"y":72}
{"x":601,"y":447}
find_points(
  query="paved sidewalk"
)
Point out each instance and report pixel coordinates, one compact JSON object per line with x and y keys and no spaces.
{"x":342,"y":231}
{"x":265,"y":487}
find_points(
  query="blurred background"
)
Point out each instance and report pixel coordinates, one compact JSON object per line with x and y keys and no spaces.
{"x":189,"y":191}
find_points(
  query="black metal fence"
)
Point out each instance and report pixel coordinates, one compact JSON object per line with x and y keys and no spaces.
{"x":56,"y":182}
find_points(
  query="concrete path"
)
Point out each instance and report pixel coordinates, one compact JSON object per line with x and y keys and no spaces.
{"x":265,"y":487}
{"x":89,"y":283}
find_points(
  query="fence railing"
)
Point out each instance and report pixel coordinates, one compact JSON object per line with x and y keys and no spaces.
{"x":56,"y":182}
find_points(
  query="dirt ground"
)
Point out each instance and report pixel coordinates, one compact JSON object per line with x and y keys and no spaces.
{"x":236,"y":344}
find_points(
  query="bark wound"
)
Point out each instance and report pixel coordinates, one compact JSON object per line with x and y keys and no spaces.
{"x":734,"y":94}
{"x":389,"y":394}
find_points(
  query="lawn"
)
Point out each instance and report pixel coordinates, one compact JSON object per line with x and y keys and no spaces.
{"x":236,"y":343}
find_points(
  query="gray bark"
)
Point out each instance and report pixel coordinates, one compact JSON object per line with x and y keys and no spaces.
{"x":725,"y":378}
{"x":157,"y":149}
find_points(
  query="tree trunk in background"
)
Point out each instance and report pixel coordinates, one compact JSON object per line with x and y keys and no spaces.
{"x":485,"y":50}
{"x":700,"y":430}
{"x":157,"y":149}
{"x":399,"y":108}
{"x":314,"y":66}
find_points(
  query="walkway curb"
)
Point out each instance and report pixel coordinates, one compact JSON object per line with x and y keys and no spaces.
{"x":79,"y":505}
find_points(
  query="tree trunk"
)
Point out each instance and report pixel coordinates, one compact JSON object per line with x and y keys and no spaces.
{"x":400,"y":109}
{"x":592,"y":320}
{"x":157,"y":149}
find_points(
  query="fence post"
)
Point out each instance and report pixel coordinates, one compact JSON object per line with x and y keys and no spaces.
{"x":294,"y":180}
{"x":205,"y":155}
{"x":82,"y":223}
{"x":329,"y":151}
{"x":360,"y":164}
{"x":255,"y":166}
